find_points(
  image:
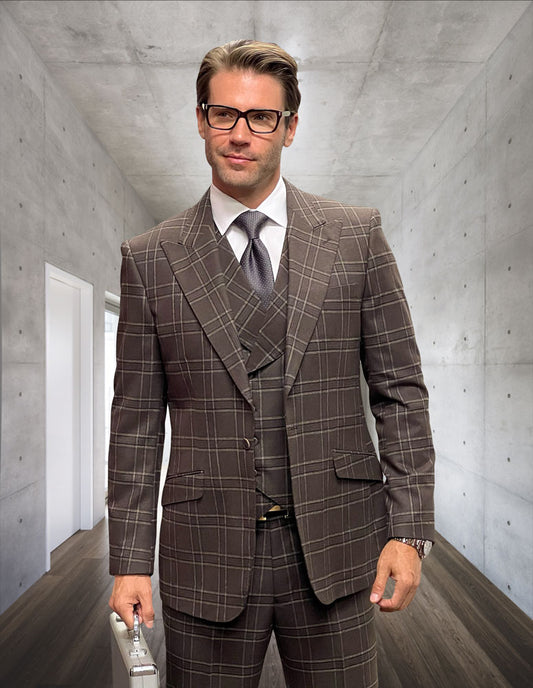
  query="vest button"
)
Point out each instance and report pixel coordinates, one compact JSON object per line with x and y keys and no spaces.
{"x":249,"y":443}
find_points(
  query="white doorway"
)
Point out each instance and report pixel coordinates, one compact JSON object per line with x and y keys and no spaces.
{"x":69,"y":406}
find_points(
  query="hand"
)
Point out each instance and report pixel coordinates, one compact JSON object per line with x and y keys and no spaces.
{"x":401,"y":563}
{"x":128,"y":591}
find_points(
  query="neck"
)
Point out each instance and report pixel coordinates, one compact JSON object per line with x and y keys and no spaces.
{"x":250,"y":197}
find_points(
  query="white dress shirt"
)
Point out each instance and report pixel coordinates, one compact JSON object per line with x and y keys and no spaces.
{"x":226,"y":209}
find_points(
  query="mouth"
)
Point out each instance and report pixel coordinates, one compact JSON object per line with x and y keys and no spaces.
{"x":235,"y":157}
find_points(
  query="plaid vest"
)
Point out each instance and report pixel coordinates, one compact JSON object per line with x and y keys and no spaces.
{"x":262,"y":335}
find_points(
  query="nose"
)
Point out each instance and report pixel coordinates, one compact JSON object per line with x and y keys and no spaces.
{"x":240,"y":133}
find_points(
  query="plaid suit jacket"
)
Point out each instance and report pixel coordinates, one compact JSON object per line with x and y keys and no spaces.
{"x":178,"y":346}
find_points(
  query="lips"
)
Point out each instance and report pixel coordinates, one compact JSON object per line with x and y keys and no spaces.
{"x":234,"y":157}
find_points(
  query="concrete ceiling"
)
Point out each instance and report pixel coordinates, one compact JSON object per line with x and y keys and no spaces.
{"x":377,"y":79}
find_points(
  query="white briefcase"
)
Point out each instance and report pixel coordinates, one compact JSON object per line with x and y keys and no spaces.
{"x":133,"y":664}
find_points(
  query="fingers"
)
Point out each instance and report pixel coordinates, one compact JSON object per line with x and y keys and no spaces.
{"x":401,"y":563}
{"x":378,"y":589}
{"x":123,"y":607}
{"x":404,"y":591}
{"x":145,"y":609}
{"x":129,"y":591}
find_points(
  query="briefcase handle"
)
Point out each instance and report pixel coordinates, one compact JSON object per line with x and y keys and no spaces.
{"x":136,"y":626}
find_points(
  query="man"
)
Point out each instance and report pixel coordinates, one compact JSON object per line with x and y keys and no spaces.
{"x":275,"y":509}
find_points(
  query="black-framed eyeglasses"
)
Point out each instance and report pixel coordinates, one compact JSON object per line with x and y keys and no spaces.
{"x":258,"y":121}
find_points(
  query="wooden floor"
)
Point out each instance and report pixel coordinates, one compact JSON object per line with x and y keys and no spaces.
{"x":460,"y":631}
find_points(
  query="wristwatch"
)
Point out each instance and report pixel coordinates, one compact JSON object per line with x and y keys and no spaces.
{"x":423,"y":547}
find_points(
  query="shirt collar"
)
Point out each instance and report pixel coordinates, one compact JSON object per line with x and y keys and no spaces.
{"x":225,"y":208}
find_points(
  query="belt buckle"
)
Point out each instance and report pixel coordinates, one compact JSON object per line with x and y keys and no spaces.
{"x":273,"y":511}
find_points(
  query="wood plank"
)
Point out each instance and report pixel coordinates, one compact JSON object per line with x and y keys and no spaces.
{"x":438,"y":653}
{"x":501,"y":629}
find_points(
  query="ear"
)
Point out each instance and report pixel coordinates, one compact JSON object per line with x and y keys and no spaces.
{"x":290,"y":131}
{"x":200,"y":119}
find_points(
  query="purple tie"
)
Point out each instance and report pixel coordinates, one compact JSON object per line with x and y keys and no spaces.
{"x":255,"y":260}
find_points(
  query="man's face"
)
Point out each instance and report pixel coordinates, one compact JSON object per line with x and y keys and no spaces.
{"x":245,"y":165}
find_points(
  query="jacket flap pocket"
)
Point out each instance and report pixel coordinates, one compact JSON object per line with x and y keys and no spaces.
{"x":356,"y":465}
{"x":182,"y":488}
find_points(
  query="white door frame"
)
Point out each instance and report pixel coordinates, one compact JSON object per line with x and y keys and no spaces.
{"x":112,"y":305}
{"x":86,"y":453}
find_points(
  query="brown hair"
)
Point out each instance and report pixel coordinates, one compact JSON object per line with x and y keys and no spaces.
{"x":263,"y":58}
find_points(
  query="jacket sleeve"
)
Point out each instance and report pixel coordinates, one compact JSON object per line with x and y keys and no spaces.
{"x":397,"y":394}
{"x":137,"y":430}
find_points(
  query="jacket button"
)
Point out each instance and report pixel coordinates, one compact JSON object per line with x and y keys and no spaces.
{"x":248,"y":444}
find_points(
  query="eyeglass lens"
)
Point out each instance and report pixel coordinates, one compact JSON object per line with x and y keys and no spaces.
{"x":262,"y":121}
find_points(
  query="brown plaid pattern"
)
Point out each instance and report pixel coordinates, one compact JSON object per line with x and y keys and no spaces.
{"x":178,"y":344}
{"x":320,"y":646}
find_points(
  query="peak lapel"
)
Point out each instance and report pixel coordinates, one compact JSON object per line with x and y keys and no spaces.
{"x":194,"y":259}
{"x":312,"y":244}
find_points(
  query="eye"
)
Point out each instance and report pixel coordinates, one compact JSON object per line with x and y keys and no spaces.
{"x":222,"y":114}
{"x":262,"y":116}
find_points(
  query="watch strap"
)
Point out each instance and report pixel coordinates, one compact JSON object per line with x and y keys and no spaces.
{"x":422,"y":547}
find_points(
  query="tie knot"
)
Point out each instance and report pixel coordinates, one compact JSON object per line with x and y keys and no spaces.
{"x":251,"y":221}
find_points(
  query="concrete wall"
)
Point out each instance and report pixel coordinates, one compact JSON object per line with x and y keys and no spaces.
{"x":464,"y":243}
{"x":63,"y":201}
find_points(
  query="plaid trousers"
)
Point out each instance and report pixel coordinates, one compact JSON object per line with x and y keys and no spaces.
{"x":321,"y":646}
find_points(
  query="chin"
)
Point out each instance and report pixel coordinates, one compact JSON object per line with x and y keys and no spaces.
{"x":237,"y":181}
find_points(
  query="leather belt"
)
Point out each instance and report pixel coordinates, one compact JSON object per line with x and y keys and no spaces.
{"x":275,"y":512}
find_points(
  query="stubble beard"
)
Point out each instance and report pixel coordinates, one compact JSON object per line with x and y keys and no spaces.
{"x":263,"y":169}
